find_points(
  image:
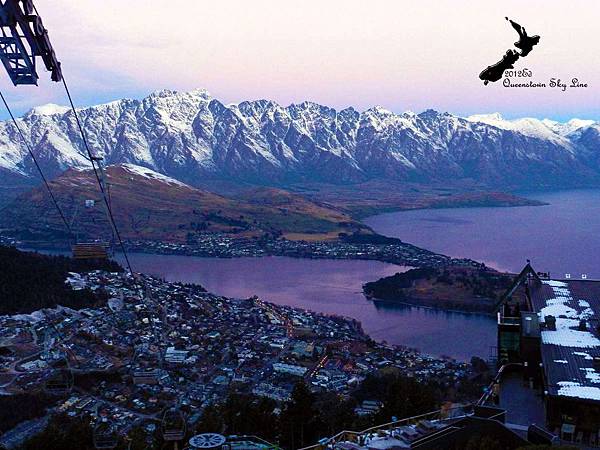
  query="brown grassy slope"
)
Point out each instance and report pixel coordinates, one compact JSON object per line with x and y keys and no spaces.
{"x":150,"y":208}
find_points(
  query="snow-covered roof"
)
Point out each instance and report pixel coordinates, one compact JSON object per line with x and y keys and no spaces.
{"x":568,"y":350}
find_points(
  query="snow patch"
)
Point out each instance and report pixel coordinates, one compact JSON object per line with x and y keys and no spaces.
{"x":584,"y":354}
{"x":567,"y":335}
{"x":556,"y":283}
{"x":591,"y":374}
{"x":48,"y":109}
{"x":151,"y":174}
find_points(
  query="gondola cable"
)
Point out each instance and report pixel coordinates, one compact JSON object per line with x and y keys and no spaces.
{"x":93,"y":160}
{"x":27,"y":39}
{"x":43,"y":48}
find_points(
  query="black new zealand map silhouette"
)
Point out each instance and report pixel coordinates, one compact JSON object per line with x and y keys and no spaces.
{"x":525,"y":44}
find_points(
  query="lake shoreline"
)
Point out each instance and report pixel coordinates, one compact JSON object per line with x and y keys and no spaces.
{"x":352,"y":247}
{"x":475,"y":290}
{"x":331,"y":287}
{"x":419,"y":304}
{"x":390,"y":210}
{"x":558,"y":238}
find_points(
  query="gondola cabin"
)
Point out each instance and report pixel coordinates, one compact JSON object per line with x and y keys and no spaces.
{"x":90,"y":250}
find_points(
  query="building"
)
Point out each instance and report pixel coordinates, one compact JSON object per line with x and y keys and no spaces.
{"x":175,"y":356}
{"x":216,"y":441}
{"x":305,"y":350}
{"x":368,"y":407}
{"x":459,"y":427}
{"x":290,"y":369}
{"x":276,"y":393}
{"x":146,"y":376}
{"x":550,"y":330}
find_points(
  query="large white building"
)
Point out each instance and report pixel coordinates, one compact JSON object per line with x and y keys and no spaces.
{"x":291,"y":369}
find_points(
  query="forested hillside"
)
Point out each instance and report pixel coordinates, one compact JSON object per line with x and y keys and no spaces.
{"x":460,"y":288}
{"x":31,"y":281}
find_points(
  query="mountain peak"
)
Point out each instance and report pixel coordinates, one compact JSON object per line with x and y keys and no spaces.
{"x":431,"y":114}
{"x":48,"y":109}
{"x":380,"y":110}
{"x":163,"y":93}
{"x":568,"y":127}
{"x":486,"y":118}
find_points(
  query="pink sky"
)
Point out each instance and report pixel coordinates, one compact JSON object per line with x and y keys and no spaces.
{"x":402,"y":55}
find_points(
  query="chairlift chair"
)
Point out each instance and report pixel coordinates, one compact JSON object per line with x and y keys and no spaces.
{"x":105,"y":435}
{"x":23,"y":40}
{"x":173,"y":424}
{"x":90,"y":250}
{"x":61,"y":380}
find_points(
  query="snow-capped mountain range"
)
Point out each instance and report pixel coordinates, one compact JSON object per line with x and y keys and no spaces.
{"x":192,"y":137}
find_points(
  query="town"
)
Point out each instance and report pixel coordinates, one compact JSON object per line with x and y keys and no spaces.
{"x":158,"y":345}
{"x":366,"y":247}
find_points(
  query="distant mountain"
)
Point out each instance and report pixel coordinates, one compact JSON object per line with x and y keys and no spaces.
{"x":546,"y":129}
{"x":151,"y":206}
{"x":195,"y":138}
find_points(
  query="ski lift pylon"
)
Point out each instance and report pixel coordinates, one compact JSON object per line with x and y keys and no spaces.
{"x":23,"y":37}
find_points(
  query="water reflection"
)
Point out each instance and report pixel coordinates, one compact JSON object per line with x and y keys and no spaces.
{"x":561,"y":237}
{"x":332,"y":287}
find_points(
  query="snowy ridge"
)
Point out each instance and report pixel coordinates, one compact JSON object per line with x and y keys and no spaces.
{"x":545,"y":129}
{"x":48,"y":109}
{"x":189,"y":135}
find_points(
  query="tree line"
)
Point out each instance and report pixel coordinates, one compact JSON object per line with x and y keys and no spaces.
{"x":31,"y":281}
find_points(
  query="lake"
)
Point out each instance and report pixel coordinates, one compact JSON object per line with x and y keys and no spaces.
{"x":334,"y":287}
{"x":562,"y":237}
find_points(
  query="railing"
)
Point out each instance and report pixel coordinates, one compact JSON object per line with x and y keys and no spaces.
{"x":486,"y":395}
{"x":507,"y":320}
{"x":354,"y":436}
{"x":232,"y":440}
